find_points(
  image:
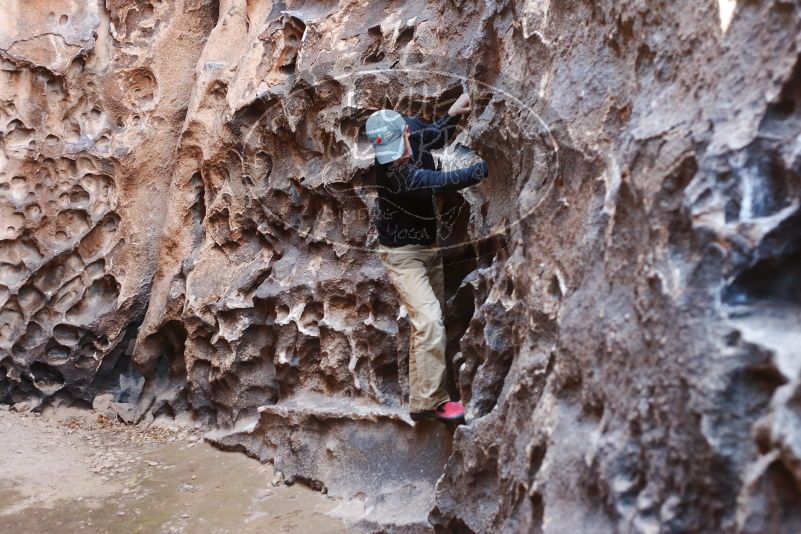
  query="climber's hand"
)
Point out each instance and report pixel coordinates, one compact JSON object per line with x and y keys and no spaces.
{"x":461,"y":106}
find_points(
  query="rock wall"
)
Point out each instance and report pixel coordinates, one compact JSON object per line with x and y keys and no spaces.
{"x":92,"y":100}
{"x":624,"y":299}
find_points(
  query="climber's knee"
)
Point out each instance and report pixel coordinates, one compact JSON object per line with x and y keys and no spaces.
{"x":429,"y":328}
{"x":428,"y":316}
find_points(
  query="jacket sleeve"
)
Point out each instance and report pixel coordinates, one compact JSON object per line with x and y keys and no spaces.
{"x":439,"y":133}
{"x":444,"y":181}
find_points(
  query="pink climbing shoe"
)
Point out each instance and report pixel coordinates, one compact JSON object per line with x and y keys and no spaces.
{"x":449,"y":411}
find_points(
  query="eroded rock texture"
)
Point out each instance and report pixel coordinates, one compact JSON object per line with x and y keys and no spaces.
{"x":624,"y":298}
{"x":92,"y":98}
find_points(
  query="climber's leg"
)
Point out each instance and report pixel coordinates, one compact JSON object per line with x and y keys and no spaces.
{"x":436,"y":276}
{"x":448,"y":411}
{"x":408,"y":268}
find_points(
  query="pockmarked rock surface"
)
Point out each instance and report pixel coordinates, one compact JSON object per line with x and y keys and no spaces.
{"x":187,"y":206}
{"x":92,"y":100}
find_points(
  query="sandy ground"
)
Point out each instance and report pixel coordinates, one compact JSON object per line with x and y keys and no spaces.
{"x":90,"y":474}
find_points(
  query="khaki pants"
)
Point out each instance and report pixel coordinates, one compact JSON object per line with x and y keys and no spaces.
{"x":416,"y":273}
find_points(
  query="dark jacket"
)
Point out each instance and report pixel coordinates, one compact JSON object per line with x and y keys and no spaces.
{"x":406,"y":193}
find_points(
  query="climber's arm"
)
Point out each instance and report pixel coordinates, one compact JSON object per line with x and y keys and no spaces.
{"x":438,"y":134}
{"x":444,"y":181}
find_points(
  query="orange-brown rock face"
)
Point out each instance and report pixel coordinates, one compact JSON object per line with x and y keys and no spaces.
{"x":187,"y":207}
{"x":92,"y":101}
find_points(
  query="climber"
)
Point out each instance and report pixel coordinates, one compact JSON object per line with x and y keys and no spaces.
{"x":408,"y":184}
